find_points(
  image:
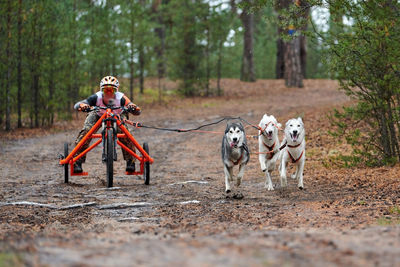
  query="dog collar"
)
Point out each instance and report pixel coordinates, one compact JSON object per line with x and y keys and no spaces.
{"x":294,"y":146}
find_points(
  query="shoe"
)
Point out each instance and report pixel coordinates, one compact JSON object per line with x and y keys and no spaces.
{"x":130,"y":166}
{"x":78,"y":167}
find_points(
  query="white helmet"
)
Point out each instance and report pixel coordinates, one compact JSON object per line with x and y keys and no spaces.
{"x":109,"y":80}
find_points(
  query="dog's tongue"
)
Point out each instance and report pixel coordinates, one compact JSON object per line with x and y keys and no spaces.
{"x":232,"y":144}
{"x":294,"y":137}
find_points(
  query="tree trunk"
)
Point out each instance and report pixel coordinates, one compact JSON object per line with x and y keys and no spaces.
{"x":160,"y":46}
{"x":35,"y":65}
{"x":291,"y":65}
{"x":219,"y":66}
{"x":50,"y":106}
{"x":247,"y":71}
{"x":132,"y":55}
{"x":141,"y":68}
{"x":19,"y":65}
{"x":392,"y":128}
{"x":280,"y":44}
{"x":75,"y":76}
{"x":141,"y":58}
{"x":303,"y":40}
{"x":9,"y":66}
{"x":207,"y":54}
{"x":280,"y":52}
{"x":303,"y":55}
{"x":293,"y":73}
{"x":189,"y":52}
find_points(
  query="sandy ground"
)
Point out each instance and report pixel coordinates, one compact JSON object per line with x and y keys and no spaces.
{"x":343,"y":217}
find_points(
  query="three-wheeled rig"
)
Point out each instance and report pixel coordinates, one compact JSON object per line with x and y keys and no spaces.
{"x":109,"y":122}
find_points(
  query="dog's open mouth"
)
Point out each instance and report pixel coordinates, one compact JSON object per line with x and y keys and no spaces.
{"x":234,"y":143}
{"x":268,"y":135}
{"x":294,"y":136}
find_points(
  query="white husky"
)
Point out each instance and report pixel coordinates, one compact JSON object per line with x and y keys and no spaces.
{"x":294,"y":151}
{"x":234,"y":151}
{"x":268,"y":146}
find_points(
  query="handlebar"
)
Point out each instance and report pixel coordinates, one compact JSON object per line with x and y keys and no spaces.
{"x":95,"y":108}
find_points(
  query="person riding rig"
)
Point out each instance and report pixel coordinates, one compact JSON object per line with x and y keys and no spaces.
{"x":108,"y":94}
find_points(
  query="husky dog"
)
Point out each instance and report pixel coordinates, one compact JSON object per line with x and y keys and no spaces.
{"x":234,"y":152}
{"x":294,"y":151}
{"x":268,"y":145}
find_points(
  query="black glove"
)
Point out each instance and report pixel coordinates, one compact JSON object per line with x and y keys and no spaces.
{"x":132,"y":108}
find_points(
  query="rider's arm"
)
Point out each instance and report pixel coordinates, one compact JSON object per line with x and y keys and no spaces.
{"x":126,"y":102}
{"x":91,"y":101}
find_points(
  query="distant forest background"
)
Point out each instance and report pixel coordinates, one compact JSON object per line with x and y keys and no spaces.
{"x":54,"y":53}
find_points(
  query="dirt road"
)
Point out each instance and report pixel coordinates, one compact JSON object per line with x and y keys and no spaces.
{"x":343,"y":217}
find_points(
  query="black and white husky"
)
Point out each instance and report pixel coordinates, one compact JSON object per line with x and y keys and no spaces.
{"x":234,"y":152}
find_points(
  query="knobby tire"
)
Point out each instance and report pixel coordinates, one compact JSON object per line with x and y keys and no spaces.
{"x":66,"y":172}
{"x":146,"y":171}
{"x":110,"y":157}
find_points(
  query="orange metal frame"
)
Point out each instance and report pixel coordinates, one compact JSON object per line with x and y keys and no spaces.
{"x":70,"y":159}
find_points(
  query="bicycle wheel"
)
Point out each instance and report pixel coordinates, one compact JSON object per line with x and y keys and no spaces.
{"x":146,"y":171}
{"x":110,"y":157}
{"x":66,"y":172}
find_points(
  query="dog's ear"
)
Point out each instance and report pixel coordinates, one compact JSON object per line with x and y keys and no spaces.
{"x":227,"y":128}
{"x":279,"y":125}
{"x":241,"y":126}
{"x":301,"y":121}
{"x":262,"y":120}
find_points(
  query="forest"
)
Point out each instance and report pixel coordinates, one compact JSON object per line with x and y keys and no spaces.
{"x":55,"y":52}
{"x":324,"y":73}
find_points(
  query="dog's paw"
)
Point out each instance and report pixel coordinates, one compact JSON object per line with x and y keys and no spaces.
{"x":228,"y":191}
{"x":264,"y":170}
{"x":269,"y":187}
{"x":238,"y":181}
{"x":238,"y":196}
{"x":300,"y":186}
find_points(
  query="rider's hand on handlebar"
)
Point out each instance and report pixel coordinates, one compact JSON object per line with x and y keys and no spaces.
{"x":83,"y":107}
{"x":132,"y":108}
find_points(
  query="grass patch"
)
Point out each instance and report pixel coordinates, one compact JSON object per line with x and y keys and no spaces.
{"x":342,"y":161}
{"x":151,"y":95}
{"x":362,"y":203}
{"x":385,"y":221}
{"x":394,"y":210}
{"x":209,"y":105}
{"x":10,"y":259}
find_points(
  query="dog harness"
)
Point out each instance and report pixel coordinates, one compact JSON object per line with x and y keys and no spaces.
{"x":290,"y":155}
{"x":237,"y":162}
{"x":270,"y":148}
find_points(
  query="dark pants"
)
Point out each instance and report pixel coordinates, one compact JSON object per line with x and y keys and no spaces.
{"x":91,"y":120}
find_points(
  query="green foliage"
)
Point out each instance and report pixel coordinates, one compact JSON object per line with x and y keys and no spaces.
{"x":385,"y":221}
{"x":395,"y":210}
{"x":67,"y":46}
{"x":11,"y":259}
{"x":364,"y":57}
